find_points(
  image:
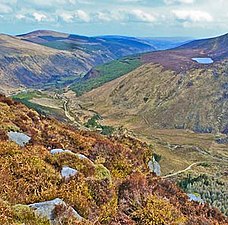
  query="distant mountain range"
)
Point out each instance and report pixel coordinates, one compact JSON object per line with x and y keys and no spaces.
{"x":59,"y":57}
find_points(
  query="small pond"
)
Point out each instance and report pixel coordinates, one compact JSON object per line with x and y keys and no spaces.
{"x":203,"y":60}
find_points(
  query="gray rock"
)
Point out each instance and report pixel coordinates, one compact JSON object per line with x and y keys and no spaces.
{"x":19,"y":138}
{"x":81,"y":156}
{"x":195,"y":198}
{"x":68,"y":172}
{"x":154,"y":167}
{"x":47,"y":210}
{"x":56,"y":151}
{"x":59,"y":150}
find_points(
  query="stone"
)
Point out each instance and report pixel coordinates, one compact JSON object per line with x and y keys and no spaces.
{"x":19,"y":138}
{"x":56,"y":151}
{"x":68,"y":172}
{"x":59,"y":150}
{"x":47,"y":210}
{"x":195,"y":198}
{"x":81,"y":156}
{"x":154,"y":167}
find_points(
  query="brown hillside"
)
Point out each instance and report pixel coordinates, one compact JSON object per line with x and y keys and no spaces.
{"x":128,"y":194}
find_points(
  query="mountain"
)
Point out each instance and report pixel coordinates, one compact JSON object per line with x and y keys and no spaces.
{"x":52,"y":173}
{"x":215,"y":47}
{"x":164,"y":43}
{"x":47,"y":58}
{"x":103,"y":48}
{"x":159,"y":43}
{"x":178,"y":60}
{"x":24,"y":64}
{"x":169,"y":90}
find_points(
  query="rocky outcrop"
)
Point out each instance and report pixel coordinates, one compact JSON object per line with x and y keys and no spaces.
{"x":19,"y":138}
{"x":51,"y":210}
{"x":154,"y":167}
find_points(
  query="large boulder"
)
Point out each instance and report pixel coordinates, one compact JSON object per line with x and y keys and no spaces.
{"x":19,"y":138}
{"x":55,"y":211}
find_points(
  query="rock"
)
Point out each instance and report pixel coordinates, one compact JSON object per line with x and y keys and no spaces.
{"x":102,"y":172}
{"x":47,"y":210}
{"x":68,"y":172}
{"x":154,"y":167}
{"x":19,"y":138}
{"x":195,"y":198}
{"x":57,"y":150}
{"x":81,"y":156}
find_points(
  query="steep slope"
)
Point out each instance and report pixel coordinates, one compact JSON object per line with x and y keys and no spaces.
{"x":170,"y":90}
{"x":112,"y":184}
{"x":215,"y":47}
{"x":24,"y":64}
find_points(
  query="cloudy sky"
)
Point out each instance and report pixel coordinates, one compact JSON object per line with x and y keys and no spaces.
{"x":152,"y":18}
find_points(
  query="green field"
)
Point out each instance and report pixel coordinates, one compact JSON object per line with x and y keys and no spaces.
{"x":25,"y":97}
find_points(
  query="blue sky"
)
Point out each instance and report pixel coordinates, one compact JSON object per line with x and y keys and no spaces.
{"x":151,"y":18}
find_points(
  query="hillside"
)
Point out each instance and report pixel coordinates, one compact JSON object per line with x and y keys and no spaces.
{"x":24,"y":64}
{"x":169,"y":90}
{"x":178,"y":60}
{"x":110,"y":182}
{"x":214,"y":47}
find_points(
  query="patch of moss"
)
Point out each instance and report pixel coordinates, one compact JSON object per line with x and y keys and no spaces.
{"x":102,"y":172}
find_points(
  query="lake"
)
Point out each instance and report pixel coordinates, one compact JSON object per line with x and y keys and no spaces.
{"x":203,"y":60}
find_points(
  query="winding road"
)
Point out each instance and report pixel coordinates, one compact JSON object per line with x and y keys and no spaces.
{"x":181,"y":171}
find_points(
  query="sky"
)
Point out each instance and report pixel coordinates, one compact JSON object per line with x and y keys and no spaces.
{"x":141,"y":18}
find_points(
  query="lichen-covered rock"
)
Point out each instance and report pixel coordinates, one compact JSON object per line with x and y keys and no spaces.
{"x":55,"y":211}
{"x":19,"y":138}
{"x":194,"y":197}
{"x":102,"y":172}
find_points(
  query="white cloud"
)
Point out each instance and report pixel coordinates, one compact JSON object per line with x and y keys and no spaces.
{"x":103,"y":16}
{"x":141,"y":16}
{"x":5,"y":8}
{"x":67,"y":17}
{"x":82,"y":15}
{"x":192,"y":15}
{"x":39,"y":16}
{"x":20,"y":16}
{"x":169,"y":2}
{"x":73,"y":16}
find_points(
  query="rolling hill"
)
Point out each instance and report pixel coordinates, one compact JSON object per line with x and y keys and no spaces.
{"x":215,"y":47}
